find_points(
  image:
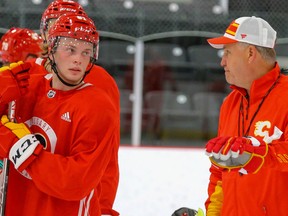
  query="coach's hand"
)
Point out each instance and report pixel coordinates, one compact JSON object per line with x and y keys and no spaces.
{"x":14,"y":81}
{"x":244,"y":154}
{"x":18,"y":144}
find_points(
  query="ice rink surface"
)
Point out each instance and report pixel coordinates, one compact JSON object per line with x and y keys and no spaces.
{"x":157,"y":181}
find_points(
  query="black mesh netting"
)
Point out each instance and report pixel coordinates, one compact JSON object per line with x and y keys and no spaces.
{"x":143,"y":17}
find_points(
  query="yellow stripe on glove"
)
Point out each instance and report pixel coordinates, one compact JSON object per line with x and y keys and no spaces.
{"x":19,"y":129}
{"x":243,"y":154}
{"x":18,"y":144}
{"x":11,"y":66}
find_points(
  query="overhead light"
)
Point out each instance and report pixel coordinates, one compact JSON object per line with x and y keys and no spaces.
{"x":217,"y":9}
{"x":84,"y":3}
{"x":181,"y":99}
{"x":130,"y":49}
{"x":177,"y":51}
{"x":37,"y":2}
{"x":128,"y":4}
{"x":173,"y":7}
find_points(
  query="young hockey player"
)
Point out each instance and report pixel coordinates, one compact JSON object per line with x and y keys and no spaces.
{"x":97,"y":76}
{"x":67,"y":129}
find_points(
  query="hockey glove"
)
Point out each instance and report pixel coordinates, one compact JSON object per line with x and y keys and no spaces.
{"x":188,"y":212}
{"x":14,"y":81}
{"x":245,"y":154}
{"x":18,"y":144}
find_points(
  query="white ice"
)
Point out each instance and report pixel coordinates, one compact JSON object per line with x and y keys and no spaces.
{"x":157,"y":181}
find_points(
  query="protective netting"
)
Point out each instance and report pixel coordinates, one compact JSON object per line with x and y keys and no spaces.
{"x":143,"y":17}
{"x":183,"y":81}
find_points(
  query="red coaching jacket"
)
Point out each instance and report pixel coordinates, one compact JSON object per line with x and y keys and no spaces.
{"x":263,"y":193}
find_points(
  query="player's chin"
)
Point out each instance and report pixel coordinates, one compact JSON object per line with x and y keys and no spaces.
{"x":74,"y":79}
{"x":76,"y":75}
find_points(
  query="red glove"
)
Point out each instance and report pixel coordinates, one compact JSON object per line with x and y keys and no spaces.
{"x":14,"y":81}
{"x":245,"y":154}
{"x":17,"y":143}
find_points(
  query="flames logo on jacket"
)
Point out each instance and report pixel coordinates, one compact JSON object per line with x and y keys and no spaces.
{"x":262,"y":130}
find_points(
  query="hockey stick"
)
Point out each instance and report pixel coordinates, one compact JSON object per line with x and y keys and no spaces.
{"x":5,"y":169}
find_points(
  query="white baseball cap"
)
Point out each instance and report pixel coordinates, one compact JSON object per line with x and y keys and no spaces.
{"x":251,"y":30}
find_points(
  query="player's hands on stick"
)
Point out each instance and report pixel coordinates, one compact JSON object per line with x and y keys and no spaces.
{"x":244,"y":154}
{"x":14,"y":81}
{"x":18,"y":144}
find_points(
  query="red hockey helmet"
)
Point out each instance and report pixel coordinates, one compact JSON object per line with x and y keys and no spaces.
{"x":57,"y":8}
{"x":74,"y":26}
{"x":18,"y":43}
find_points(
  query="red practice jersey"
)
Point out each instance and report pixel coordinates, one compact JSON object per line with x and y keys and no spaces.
{"x":100,"y":78}
{"x":78,"y":129}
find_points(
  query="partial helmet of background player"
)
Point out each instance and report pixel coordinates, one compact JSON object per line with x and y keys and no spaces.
{"x":54,"y":10}
{"x":19,"y":44}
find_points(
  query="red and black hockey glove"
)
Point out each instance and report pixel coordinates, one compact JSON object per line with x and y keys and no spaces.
{"x":244,"y":154}
{"x":14,"y":81}
{"x":18,"y":144}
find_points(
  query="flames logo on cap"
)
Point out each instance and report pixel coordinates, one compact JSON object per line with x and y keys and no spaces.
{"x":231,"y":30}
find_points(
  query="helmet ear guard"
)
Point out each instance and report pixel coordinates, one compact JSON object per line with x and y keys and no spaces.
{"x":53,"y":43}
{"x":95,"y":52}
{"x":93,"y":60}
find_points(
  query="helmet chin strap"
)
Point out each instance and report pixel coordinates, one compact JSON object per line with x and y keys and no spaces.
{"x":54,"y":68}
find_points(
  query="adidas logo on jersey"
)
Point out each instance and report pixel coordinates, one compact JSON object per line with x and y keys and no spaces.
{"x":66,"y":117}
